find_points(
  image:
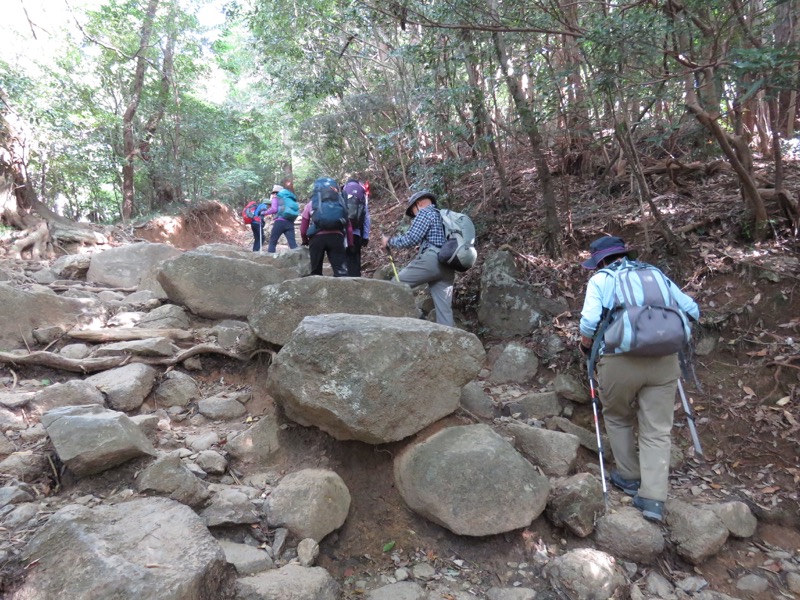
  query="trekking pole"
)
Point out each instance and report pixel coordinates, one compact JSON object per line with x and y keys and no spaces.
{"x":687,"y":407}
{"x":595,"y":402}
{"x":391,"y":262}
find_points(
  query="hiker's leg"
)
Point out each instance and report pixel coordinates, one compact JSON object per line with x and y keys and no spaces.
{"x":655,"y":425}
{"x":619,"y":383}
{"x":354,"y":258}
{"x":274,"y":235}
{"x":424,"y":268}
{"x":316,"y":250}
{"x":442,"y":294}
{"x":337,"y":255}
{"x":256,"y":229}
{"x":288,"y":231}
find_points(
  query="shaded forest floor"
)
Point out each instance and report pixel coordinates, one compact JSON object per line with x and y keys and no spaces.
{"x":748,"y":409}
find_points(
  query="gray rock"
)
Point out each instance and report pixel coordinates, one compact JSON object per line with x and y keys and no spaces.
{"x":417,"y":370}
{"x":149,"y":549}
{"x":627,"y":535}
{"x":176,"y":389}
{"x":300,"y":298}
{"x":307,"y":552}
{"x":793,"y":583}
{"x":291,"y":582}
{"x":169,"y":476}
{"x":246,"y":559}
{"x":157,"y":346}
{"x":310,"y":503}
{"x":203,"y":441}
{"x":471,"y":481}
{"x":405,"y":590}
{"x":168,"y":316}
{"x":125,"y":387}
{"x":76,"y":351}
{"x":6,"y":446}
{"x":585,"y":574}
{"x":236,"y":336}
{"x":423,"y":571}
{"x":126,"y":266}
{"x":737,"y":517}
{"x":658,"y":585}
{"x":575,"y":502}
{"x":697,"y":532}
{"x":221,"y":408}
{"x":754,"y":584}
{"x":536,"y":405}
{"x":21,"y":515}
{"x":148,"y":424}
{"x":510,"y":594}
{"x":71,"y":266}
{"x":14,"y":494}
{"x":555,"y":452}
{"x":212,"y":462}
{"x":516,"y":364}
{"x":91,"y":439}
{"x":476,"y":401}
{"x":258,"y":445}
{"x":587,"y":437}
{"x":692,"y":584}
{"x":229,"y":507}
{"x":25,"y":466}
{"x":47,"y":335}
{"x":569,"y":388}
{"x":216,"y":287}
{"x":75,"y":392}
{"x":24,"y":311}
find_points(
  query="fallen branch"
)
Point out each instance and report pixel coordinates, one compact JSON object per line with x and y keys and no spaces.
{"x":126,"y":334}
{"x":61,"y":287}
{"x":91,"y":365}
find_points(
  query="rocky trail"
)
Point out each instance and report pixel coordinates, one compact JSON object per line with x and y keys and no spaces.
{"x":185,"y":419}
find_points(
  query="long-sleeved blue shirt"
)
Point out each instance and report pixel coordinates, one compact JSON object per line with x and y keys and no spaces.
{"x":426,"y":230}
{"x":600,"y":294}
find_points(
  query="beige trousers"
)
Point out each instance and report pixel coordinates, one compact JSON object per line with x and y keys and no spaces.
{"x":636,"y":389}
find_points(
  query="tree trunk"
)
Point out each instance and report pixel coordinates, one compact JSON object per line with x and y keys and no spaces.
{"x":552,"y":225}
{"x":128,"y":135}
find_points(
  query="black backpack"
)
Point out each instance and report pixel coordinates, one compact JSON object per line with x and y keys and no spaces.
{"x":328,"y":209}
{"x":355,"y":197}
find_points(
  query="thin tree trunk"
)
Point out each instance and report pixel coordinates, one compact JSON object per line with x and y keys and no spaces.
{"x":128,"y":135}
{"x":552,"y":225}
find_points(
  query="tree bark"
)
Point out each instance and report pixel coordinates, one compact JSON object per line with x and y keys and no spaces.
{"x":128,"y":134}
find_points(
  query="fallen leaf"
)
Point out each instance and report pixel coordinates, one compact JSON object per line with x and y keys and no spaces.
{"x":769,"y":490}
{"x":748,"y":390}
{"x":762,"y":352}
{"x":757,"y":299}
{"x":388,"y":546}
{"x":784,"y":401}
{"x":790,"y":418}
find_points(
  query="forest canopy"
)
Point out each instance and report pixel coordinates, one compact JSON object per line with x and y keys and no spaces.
{"x":118,"y":109}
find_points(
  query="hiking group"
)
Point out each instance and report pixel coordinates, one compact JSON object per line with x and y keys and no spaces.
{"x":634,"y":323}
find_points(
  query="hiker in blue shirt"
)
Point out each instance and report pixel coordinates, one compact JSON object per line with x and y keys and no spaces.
{"x":281,"y":226}
{"x":257,"y":226}
{"x":634,"y":389}
{"x":427,"y":232}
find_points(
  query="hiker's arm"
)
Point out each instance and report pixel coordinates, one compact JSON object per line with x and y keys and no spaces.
{"x":415,"y":235}
{"x":304,"y":220}
{"x":273,"y":209}
{"x":367,"y":223}
{"x":685,"y":303}
{"x":592,"y":308}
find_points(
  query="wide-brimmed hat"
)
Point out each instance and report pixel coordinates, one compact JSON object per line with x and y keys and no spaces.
{"x":276,"y":188}
{"x":604,"y":247}
{"x":419,"y":196}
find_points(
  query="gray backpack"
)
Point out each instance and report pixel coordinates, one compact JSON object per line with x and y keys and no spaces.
{"x":459,"y":250}
{"x":645,"y":320}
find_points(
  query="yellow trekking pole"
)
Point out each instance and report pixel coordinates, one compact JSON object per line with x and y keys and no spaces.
{"x":391,"y":262}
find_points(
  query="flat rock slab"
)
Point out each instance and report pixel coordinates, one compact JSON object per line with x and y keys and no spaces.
{"x":373,"y":379}
{"x":148,"y":549}
{"x":295,"y":299}
{"x":291,"y":582}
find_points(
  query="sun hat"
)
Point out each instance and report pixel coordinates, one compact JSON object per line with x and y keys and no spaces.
{"x":603,"y":248}
{"x":419,"y":196}
{"x":276,"y":188}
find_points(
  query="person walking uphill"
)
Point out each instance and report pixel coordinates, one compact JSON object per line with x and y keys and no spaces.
{"x":256,"y":220}
{"x":635,"y":319}
{"x":356,"y":198}
{"x":285,"y":208}
{"x":427,"y":232}
{"x":325,"y":228}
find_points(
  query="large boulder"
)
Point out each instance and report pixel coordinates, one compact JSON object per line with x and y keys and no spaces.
{"x":126,"y":266}
{"x":148,"y":549}
{"x":509,"y":307}
{"x":373,"y":379}
{"x":90,"y":439}
{"x":25,"y":311}
{"x":216,"y":287}
{"x":471,"y":481}
{"x":278,"y":309}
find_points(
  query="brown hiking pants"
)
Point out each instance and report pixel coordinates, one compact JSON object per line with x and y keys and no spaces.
{"x":637,"y":388}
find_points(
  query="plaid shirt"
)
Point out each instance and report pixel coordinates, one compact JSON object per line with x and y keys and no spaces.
{"x":426,"y":231}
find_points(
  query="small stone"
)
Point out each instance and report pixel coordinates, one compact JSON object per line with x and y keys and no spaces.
{"x":692,"y":585}
{"x":752,"y":583}
{"x":401,"y":574}
{"x":307,"y":552}
{"x":423,"y":571}
{"x":793,"y":583}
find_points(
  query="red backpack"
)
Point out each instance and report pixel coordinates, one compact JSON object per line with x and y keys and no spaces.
{"x":249,"y":212}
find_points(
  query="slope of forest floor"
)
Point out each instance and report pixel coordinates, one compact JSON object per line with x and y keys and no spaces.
{"x":748,"y":408}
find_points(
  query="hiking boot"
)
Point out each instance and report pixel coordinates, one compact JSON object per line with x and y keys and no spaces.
{"x":652,"y":510}
{"x":629,"y":486}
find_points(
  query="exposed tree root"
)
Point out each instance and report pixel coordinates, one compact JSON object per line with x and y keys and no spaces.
{"x":125,"y":334}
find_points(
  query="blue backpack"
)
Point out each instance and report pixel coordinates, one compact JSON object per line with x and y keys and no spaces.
{"x":288,"y":208}
{"x":328,"y":209}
